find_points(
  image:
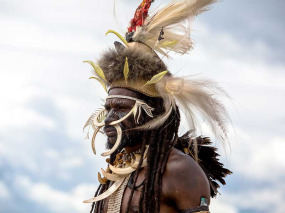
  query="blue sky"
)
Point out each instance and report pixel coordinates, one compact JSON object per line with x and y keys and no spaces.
{"x":46,"y":166}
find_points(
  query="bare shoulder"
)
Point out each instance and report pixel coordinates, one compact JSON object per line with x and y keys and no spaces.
{"x":184,"y":182}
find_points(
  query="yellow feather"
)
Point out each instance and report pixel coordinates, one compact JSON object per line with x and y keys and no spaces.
{"x":156,"y":78}
{"x":126,"y":70}
{"x":169,"y":43}
{"x":119,"y":36}
{"x":97,"y":69}
{"x":101,"y":82}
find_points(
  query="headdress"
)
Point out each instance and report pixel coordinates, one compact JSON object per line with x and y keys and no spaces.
{"x":135,"y":64}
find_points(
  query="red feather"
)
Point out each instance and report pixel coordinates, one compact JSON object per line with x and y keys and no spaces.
{"x":140,"y":15}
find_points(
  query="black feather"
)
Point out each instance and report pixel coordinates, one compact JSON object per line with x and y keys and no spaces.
{"x":207,"y":159}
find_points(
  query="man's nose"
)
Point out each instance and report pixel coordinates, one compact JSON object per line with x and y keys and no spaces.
{"x":111,"y":116}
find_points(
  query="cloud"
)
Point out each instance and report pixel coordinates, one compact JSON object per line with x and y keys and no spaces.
{"x":47,"y":97}
{"x":219,"y":206}
{"x":4,"y":191}
{"x":54,"y":199}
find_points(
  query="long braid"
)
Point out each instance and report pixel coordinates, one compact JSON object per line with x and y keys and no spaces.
{"x":137,"y":173}
{"x":141,"y":199}
{"x":170,"y":134}
{"x":160,"y":142}
{"x":148,"y":170}
{"x":154,"y":174}
{"x":96,"y":193}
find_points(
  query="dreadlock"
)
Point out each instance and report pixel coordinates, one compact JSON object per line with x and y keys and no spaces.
{"x":160,"y":142}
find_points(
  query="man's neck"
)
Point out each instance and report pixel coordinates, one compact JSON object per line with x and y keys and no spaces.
{"x":134,"y":148}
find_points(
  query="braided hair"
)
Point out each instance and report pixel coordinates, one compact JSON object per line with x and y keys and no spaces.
{"x":160,"y":142}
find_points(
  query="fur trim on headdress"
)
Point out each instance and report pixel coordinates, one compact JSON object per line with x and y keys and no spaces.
{"x":142,"y":65}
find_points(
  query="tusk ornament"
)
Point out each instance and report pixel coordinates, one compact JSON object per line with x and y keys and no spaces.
{"x":116,"y":145}
{"x":107,"y":193}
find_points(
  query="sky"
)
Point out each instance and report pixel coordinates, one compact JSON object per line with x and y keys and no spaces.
{"x":46,"y":97}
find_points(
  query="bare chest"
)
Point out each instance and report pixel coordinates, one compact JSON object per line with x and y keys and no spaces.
{"x":133,"y":205}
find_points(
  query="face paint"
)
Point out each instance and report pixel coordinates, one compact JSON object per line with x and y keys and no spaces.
{"x":100,"y":117}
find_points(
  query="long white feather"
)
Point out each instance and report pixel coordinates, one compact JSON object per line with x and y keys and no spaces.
{"x":174,"y":20}
{"x":197,"y":98}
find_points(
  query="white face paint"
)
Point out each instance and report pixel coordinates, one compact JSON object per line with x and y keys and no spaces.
{"x":99,"y":120}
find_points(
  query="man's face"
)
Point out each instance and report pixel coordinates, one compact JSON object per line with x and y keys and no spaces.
{"x":117,"y":108}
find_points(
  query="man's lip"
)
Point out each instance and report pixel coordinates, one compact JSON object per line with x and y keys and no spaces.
{"x":110,"y":131}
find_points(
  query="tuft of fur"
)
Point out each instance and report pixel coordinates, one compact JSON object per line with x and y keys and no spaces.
{"x":142,"y":65}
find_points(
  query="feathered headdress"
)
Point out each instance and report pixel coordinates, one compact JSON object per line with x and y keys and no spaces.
{"x":136,"y":65}
{"x":168,"y":29}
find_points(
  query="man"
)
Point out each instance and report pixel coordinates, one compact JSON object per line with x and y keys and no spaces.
{"x":150,"y":168}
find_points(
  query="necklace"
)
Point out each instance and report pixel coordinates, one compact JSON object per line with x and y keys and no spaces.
{"x":124,"y":159}
{"x":131,"y":182}
{"x":119,"y":173}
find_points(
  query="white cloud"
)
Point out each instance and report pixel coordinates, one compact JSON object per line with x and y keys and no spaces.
{"x":41,"y":57}
{"x":265,"y":199}
{"x":220,"y":206}
{"x":258,"y":158}
{"x":4,"y":191}
{"x":53,"y":199}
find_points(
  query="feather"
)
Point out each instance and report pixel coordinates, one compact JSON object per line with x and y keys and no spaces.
{"x":156,"y":78}
{"x":207,"y":159}
{"x":197,"y":98}
{"x":101,"y":82}
{"x":148,"y":110}
{"x":97,"y":69}
{"x":90,"y":120}
{"x":118,"y":35}
{"x":87,"y":136}
{"x":171,"y":19}
{"x":169,"y":43}
{"x":159,"y":120}
{"x":126,"y":70}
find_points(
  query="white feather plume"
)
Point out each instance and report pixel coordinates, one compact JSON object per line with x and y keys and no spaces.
{"x":174,"y":20}
{"x":197,"y":98}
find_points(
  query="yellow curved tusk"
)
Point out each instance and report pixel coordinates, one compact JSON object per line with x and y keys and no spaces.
{"x":119,"y":36}
{"x":118,"y":141}
{"x":93,"y":139}
{"x":110,"y":191}
{"x":112,"y":177}
{"x":121,"y":171}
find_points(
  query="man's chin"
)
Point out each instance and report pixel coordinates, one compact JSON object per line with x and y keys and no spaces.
{"x":111,"y":142}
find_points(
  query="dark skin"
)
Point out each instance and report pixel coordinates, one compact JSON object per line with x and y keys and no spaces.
{"x":183,"y":183}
